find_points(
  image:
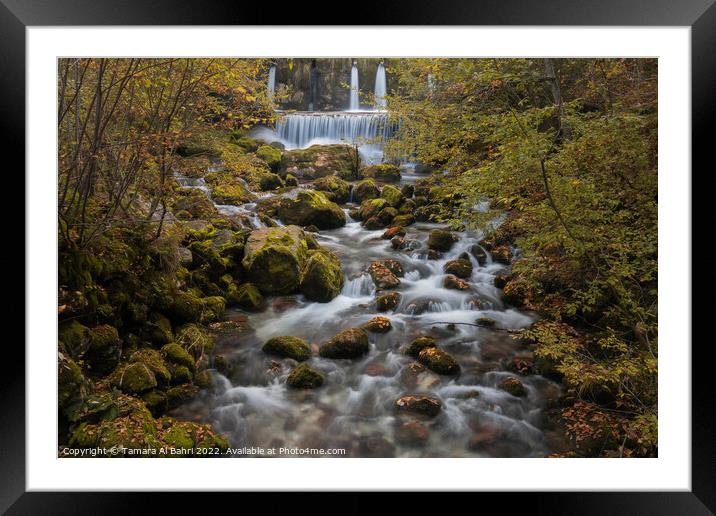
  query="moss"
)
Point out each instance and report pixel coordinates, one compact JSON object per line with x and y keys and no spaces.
{"x":269,"y":182}
{"x":460,"y":268}
{"x":404,"y":220}
{"x":319,"y":161}
{"x":233,"y":193}
{"x":303,"y":377}
{"x":378,"y":324}
{"x":213,"y":307}
{"x":350,"y":343}
{"x":175,"y":354}
{"x":365,"y":190}
{"x":387,"y":302}
{"x":288,"y":347}
{"x":155,"y":362}
{"x":372,"y":207}
{"x":322,"y":278}
{"x":104,"y":349}
{"x":156,"y":401}
{"x":336,"y":189}
{"x":195,"y":339}
{"x":204,"y":254}
{"x":271,"y":155}
{"x":419,"y":344}
{"x":137,"y":378}
{"x":202,"y":379}
{"x":392,"y":195}
{"x":74,"y":336}
{"x":179,"y":436}
{"x":274,"y":257}
{"x":248,"y":297}
{"x":441,"y":240}
{"x":193,"y":203}
{"x":383,"y":172}
{"x":245,"y":143}
{"x":180,"y":394}
{"x":387,"y":215}
{"x":439,"y":361}
{"x":180,"y":374}
{"x":290,"y":180}
{"x":70,"y":381}
{"x":311,"y":207}
{"x":158,"y":329}
{"x":185,"y":307}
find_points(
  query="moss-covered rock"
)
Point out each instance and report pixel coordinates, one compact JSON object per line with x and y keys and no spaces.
{"x":206,"y":254}
{"x":322,"y":278}
{"x":176,"y":354}
{"x":271,"y":155}
{"x":185,"y":307}
{"x":195,"y":203}
{"x":303,"y":377}
{"x":180,"y":374}
{"x":245,"y":143}
{"x":404,"y":220}
{"x":274,"y":258}
{"x":365,"y":190}
{"x":441,"y":240}
{"x":460,"y":268}
{"x":155,"y":362}
{"x":179,"y":436}
{"x":319,"y":161}
{"x":335,"y":188}
{"x":137,"y":378}
{"x":311,"y":208}
{"x":378,"y":324}
{"x":487,"y":322}
{"x":202,"y":379}
{"x":513,"y":386}
{"x":383,"y":172}
{"x":195,"y":339}
{"x":287,"y":347}
{"x":372,"y":207}
{"x":391,"y":194}
{"x":423,"y":405}
{"x":387,"y":302}
{"x":158,"y":329}
{"x":382,"y":276}
{"x":248,"y":297}
{"x":73,"y":337}
{"x":70,"y":381}
{"x":438,"y":361}
{"x":414,"y":348}
{"x":290,"y":180}
{"x":455,"y":283}
{"x":350,"y":343}
{"x":104,"y":350}
{"x":269,"y":182}
{"x":479,"y":253}
{"x":231,"y":192}
{"x":212,"y":308}
{"x":387,"y":215}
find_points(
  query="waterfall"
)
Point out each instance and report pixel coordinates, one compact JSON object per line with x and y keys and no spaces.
{"x":355,"y":102}
{"x":272,"y":81}
{"x":299,"y":129}
{"x":380,"y":87}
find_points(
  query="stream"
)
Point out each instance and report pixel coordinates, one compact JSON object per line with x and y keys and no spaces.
{"x":354,"y":409}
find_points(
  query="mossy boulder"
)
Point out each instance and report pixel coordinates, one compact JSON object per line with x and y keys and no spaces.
{"x":73,"y":336}
{"x":460,"y":268}
{"x":104,"y":350}
{"x":269,"y":182}
{"x":322,"y":278}
{"x":423,"y":405}
{"x":70,"y":381}
{"x":158,"y":329}
{"x":137,"y":378}
{"x":248,"y":296}
{"x":438,"y":361}
{"x":202,"y":379}
{"x":441,"y":240}
{"x":479,"y":253}
{"x":179,"y":436}
{"x":195,"y":339}
{"x":156,"y":401}
{"x":387,"y":215}
{"x":378,"y":324}
{"x":383,"y":172}
{"x":185,"y":307}
{"x":290,"y":180}
{"x":387,"y":302}
{"x":372,"y":207}
{"x":195,"y":203}
{"x":350,"y":343}
{"x":303,"y":377}
{"x":287,"y":347}
{"x":212,"y":308}
{"x":232,"y":192}
{"x":391,"y":194}
{"x":176,"y":354}
{"x":335,"y":188}
{"x":403,"y":220}
{"x":155,"y":362}
{"x":365,"y":190}
{"x":311,"y":208}
{"x":274,"y":258}
{"x":513,"y":386}
{"x":319,"y":161}
{"x":245,"y":143}
{"x":181,"y":374}
{"x":382,"y":276}
{"x":414,"y":348}
{"x":271,"y":155}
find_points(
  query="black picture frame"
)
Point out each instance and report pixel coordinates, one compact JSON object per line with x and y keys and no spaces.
{"x":17,"y":15}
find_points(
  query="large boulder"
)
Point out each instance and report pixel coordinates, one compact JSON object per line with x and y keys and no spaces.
{"x":287,"y":347}
{"x":438,"y":361}
{"x":460,"y":268}
{"x":372,"y":207}
{"x":335,"y":188}
{"x":441,"y":240}
{"x":311,"y":208}
{"x":274,"y":258}
{"x":319,"y":161}
{"x":195,"y":203}
{"x":231,"y":192}
{"x":365,"y":190}
{"x":271,"y":155}
{"x":350,"y":343}
{"x":382,"y":172}
{"x":322,"y":277}
{"x":303,"y":377}
{"x":391,"y":194}
{"x":382,"y":276}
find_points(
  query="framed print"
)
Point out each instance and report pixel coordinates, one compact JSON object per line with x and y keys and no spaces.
{"x":436,"y":253}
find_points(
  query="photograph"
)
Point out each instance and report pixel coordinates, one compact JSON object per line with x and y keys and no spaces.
{"x":357,"y":257}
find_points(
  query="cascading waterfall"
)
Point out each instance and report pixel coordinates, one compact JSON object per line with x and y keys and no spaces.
{"x":300,"y":129}
{"x":271,"y":81}
{"x":354,"y":101}
{"x":380,"y":88}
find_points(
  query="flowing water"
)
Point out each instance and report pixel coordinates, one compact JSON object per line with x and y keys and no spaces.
{"x":354,"y":410}
{"x":271,"y":87}
{"x":380,"y":87}
{"x":355,"y":88}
